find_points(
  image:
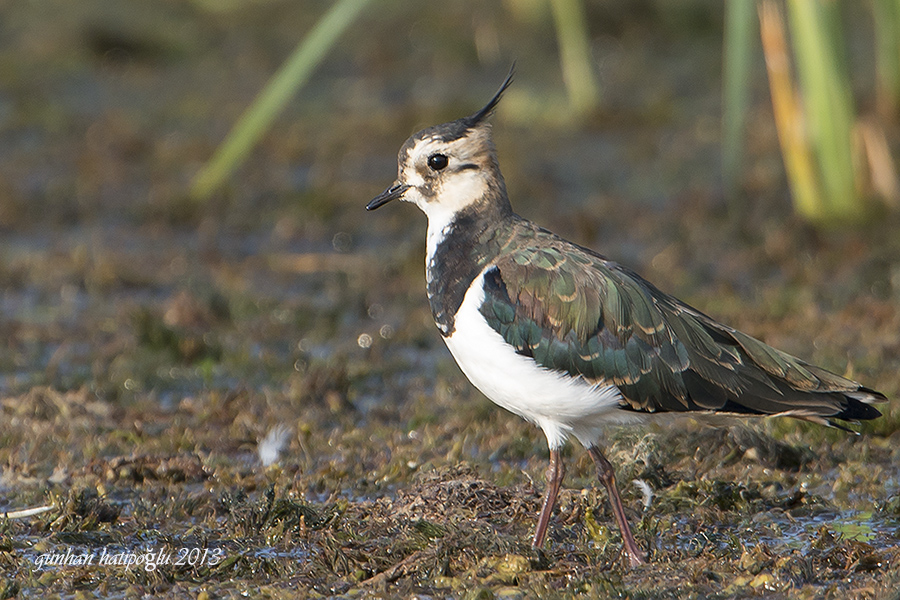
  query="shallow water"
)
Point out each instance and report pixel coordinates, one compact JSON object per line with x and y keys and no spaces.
{"x":151,"y":343}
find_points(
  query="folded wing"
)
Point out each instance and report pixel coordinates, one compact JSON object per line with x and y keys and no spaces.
{"x":572,"y":310}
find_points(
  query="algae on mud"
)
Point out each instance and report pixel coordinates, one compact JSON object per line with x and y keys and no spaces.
{"x":151,"y":345}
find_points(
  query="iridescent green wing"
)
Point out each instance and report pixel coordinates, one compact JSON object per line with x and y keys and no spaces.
{"x":574,"y":311}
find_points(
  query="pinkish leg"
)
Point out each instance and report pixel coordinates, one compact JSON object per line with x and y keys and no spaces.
{"x":555,"y":473}
{"x":607,"y":477}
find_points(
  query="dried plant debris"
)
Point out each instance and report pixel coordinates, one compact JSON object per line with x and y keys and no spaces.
{"x":437,"y":530}
{"x":174,"y":469}
{"x":248,"y":397}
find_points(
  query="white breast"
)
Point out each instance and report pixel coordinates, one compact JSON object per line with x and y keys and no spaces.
{"x":560,"y":404}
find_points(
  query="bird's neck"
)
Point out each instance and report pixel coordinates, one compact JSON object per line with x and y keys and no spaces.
{"x":458,"y":249}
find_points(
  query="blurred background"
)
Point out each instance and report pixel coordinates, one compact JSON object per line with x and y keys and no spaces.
{"x":128,"y":268}
{"x":185,"y":258}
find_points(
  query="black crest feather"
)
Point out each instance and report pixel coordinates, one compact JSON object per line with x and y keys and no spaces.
{"x":478,"y":117}
{"x":458,"y":128}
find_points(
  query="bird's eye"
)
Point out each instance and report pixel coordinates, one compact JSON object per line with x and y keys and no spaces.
{"x":437,"y":161}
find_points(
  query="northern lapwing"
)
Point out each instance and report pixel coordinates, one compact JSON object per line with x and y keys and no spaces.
{"x":570,"y":340}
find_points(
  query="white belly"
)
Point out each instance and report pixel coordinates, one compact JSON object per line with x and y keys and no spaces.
{"x":560,"y":404}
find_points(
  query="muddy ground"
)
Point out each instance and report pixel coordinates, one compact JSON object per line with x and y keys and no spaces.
{"x":156,"y":349}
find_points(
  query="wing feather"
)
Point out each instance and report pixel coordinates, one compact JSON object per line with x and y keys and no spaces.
{"x":574,"y":311}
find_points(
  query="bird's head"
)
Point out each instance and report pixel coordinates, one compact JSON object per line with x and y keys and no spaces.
{"x":446,"y":168}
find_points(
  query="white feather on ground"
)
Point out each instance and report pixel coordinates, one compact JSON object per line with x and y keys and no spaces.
{"x":271,"y":446}
{"x":645,"y":490}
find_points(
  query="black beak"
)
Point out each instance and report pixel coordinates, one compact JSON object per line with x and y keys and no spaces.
{"x":394,"y":192}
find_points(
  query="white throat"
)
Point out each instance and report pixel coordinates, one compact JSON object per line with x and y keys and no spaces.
{"x":457,"y":193}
